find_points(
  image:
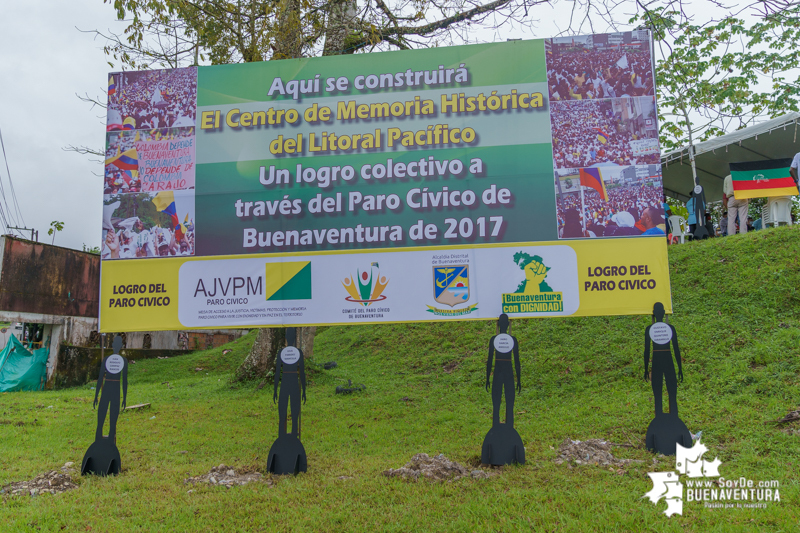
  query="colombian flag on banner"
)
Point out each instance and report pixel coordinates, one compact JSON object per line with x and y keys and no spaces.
{"x":127,"y":160}
{"x":757,"y":179}
{"x":112,"y":87}
{"x":129,"y":175}
{"x":165,"y":202}
{"x":591,"y":177}
{"x":601,"y":135}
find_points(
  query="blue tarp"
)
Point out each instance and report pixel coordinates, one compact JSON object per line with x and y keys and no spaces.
{"x":20,"y":369}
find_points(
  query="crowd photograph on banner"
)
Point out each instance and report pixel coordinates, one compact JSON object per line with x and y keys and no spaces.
{"x":606,"y":65}
{"x":152,"y":99}
{"x":141,"y":225}
{"x":620,"y":131}
{"x":117,"y":180}
{"x":609,"y":201}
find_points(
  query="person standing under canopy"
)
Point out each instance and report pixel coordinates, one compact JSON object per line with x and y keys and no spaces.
{"x":734,"y":207}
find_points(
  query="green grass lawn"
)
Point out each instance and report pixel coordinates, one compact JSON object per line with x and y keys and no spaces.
{"x":737,"y":314}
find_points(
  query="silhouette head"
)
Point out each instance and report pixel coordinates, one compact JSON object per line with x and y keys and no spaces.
{"x":658,"y":311}
{"x":291,"y":336}
{"x":117,"y":344}
{"x":502,"y":323}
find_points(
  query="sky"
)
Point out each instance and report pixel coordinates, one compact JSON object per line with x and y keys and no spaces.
{"x":46,"y":62}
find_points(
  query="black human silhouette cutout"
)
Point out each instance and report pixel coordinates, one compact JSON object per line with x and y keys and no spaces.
{"x":290,"y":384}
{"x":503,"y":375}
{"x":666,"y":429}
{"x":103,"y":457}
{"x":502,"y":444}
{"x":700,"y":231}
{"x":287,"y":455}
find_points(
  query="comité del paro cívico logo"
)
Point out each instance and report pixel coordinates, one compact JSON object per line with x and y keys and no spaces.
{"x":367,"y":286}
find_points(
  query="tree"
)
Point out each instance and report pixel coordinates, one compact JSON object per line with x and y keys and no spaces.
{"x":55,"y":227}
{"x":723,"y":75}
{"x":171,"y":33}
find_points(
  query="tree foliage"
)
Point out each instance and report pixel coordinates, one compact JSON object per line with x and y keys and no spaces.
{"x":171,"y":33}
{"x":91,"y":249}
{"x":139,"y":205}
{"x":724,"y":75}
{"x":55,"y":227}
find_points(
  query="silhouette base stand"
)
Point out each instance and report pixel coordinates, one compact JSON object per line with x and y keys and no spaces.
{"x":287,"y":454}
{"x":666,"y":430}
{"x":502,"y":444}
{"x":102,"y":458}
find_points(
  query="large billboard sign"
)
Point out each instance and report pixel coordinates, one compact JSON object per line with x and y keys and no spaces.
{"x":437,"y":184}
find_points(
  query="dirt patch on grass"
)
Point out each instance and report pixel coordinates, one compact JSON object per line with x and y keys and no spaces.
{"x":438,"y":468}
{"x":227,"y":476}
{"x":590,"y":452}
{"x":52,"y":482}
{"x":450,"y":366}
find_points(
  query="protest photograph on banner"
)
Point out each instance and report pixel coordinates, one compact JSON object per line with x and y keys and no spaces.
{"x":609,"y":201}
{"x":118,"y":180}
{"x":587,"y":133}
{"x":606,"y":65}
{"x":152,"y":99}
{"x":148,"y":224}
{"x":373,"y":188}
{"x":149,"y":160}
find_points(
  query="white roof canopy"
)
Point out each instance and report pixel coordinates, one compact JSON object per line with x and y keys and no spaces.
{"x":774,"y":139}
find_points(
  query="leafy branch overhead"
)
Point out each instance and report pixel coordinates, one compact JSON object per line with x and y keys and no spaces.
{"x":171,"y":33}
{"x":724,"y":75}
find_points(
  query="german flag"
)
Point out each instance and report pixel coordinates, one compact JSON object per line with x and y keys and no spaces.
{"x":758,"y":179}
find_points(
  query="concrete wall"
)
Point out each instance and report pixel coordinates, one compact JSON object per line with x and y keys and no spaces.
{"x":79,"y":365}
{"x":9,"y":330}
{"x":161,"y":340}
{"x":181,"y":340}
{"x":48,"y":280}
{"x":73,"y":358}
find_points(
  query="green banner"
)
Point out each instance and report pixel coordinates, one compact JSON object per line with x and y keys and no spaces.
{"x":376,"y":150}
